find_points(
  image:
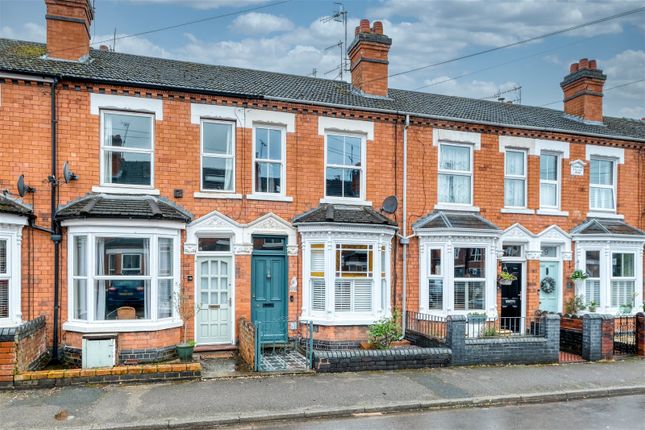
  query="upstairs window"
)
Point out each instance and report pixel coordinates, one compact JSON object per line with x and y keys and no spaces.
{"x":269,"y":160}
{"x":455,"y":174}
{"x":345,"y":170}
{"x":218,"y":156}
{"x":602,"y":191}
{"x":515,"y":179}
{"x":127,"y":149}
{"x":549,"y":181}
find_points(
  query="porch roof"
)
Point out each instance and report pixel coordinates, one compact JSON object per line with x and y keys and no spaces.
{"x":344,"y":214}
{"x":14,"y":207}
{"x":442,"y":220}
{"x":602,"y":226}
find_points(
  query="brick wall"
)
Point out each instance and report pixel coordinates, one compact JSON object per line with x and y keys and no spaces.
{"x":640,"y":334}
{"x":246,"y":341}
{"x":571,"y":335}
{"x":22,"y":348}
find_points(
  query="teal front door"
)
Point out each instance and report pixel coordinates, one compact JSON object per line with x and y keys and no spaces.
{"x":550,"y":289}
{"x":269,"y":289}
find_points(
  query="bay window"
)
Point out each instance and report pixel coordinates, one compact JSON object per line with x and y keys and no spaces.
{"x":127,"y":156}
{"x":623,"y":279}
{"x":345,"y":166}
{"x":269,"y":155}
{"x":354,"y":281}
{"x":217,"y":155}
{"x":549,"y":181}
{"x":602,"y":191}
{"x":455,"y":174}
{"x":592,"y":283}
{"x":515,"y":179}
{"x":469,"y":278}
{"x":435,"y":281}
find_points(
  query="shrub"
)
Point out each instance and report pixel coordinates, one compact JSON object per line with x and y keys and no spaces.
{"x":575,"y":305}
{"x":384,"y":332}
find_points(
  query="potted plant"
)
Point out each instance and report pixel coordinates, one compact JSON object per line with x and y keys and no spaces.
{"x":186,"y":311}
{"x":593,"y":306}
{"x":384,"y":332}
{"x":505,"y":278}
{"x":574,"y":305}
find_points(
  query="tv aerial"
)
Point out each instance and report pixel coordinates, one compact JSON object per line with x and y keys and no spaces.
{"x":390,"y":204}
{"x":68,"y":175}
{"x":24,"y":188}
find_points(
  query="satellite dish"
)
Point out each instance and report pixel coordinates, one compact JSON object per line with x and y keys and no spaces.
{"x":22,"y":187}
{"x":390,"y":204}
{"x":68,"y":175}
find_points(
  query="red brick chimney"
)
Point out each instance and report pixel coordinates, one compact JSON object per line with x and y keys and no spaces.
{"x":68,"y":28}
{"x":583,"y":90}
{"x":368,"y":56}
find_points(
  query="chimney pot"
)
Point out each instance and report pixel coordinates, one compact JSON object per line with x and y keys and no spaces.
{"x":583,"y":90}
{"x":368,"y":55}
{"x":378,"y":27}
{"x":357,"y":30}
{"x":573,"y":68}
{"x":592,"y":64}
{"x":584,"y":63}
{"x":104,"y":48}
{"x":365,"y":26}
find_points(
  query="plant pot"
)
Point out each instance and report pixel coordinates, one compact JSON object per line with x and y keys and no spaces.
{"x":504,"y":281}
{"x":185,"y":352}
{"x":366,"y":345}
{"x":400,"y":343}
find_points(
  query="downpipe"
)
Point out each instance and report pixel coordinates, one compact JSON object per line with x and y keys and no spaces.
{"x":403,"y":239}
{"x":56,"y":236}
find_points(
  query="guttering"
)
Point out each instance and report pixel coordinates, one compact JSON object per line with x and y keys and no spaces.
{"x":26,"y":77}
{"x":405,"y":241}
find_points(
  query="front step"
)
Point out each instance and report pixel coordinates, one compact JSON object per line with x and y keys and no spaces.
{"x":216,"y":348}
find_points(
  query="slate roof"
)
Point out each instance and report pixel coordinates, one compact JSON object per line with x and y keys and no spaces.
{"x":10,"y":206}
{"x":118,"y":68}
{"x":344,"y":214}
{"x":123,"y":206}
{"x":601,"y":226}
{"x":455,"y":220}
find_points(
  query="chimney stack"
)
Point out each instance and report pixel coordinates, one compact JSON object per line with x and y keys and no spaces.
{"x":582,"y":89}
{"x":368,"y":55}
{"x":68,"y":29}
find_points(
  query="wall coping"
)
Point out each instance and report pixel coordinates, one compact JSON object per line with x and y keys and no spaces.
{"x":12,"y":334}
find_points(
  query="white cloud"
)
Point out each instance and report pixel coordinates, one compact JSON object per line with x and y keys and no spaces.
{"x":202,"y":4}
{"x":29,"y":31}
{"x":255,"y":23}
{"x":624,"y":68}
{"x":131,"y":45}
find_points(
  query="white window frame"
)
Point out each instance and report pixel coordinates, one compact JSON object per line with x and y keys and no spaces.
{"x":283,"y":161}
{"x":440,"y":276}
{"x":11,"y":231}
{"x":363,"y":170}
{"x":523,"y":177}
{"x":106,"y":148}
{"x":557,"y":182}
{"x":380,"y":240}
{"x":116,"y":228}
{"x":632,"y":278}
{"x":469,"y":173}
{"x":203,"y":154}
{"x":613,"y":187}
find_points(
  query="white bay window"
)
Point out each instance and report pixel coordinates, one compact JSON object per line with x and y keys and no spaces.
{"x":10,"y":269}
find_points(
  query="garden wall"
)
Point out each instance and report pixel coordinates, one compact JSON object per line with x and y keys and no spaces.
{"x":356,"y":360}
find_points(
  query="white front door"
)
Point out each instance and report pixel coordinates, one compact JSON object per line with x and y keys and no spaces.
{"x":214,"y":317}
{"x":550,"y":289}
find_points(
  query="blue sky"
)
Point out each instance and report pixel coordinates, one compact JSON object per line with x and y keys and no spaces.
{"x":291,"y":38}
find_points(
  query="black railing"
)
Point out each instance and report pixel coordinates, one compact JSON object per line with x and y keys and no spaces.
{"x":480,"y":327}
{"x":625,"y":335}
{"x":427,"y":325}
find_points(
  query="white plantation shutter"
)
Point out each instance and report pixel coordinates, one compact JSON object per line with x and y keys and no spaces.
{"x":343,"y":295}
{"x":3,"y":256}
{"x":317,"y":260}
{"x":318,"y":294}
{"x":460,"y":295}
{"x":4,"y":298}
{"x":362,"y":295}
{"x":592,"y":291}
{"x":621,"y":292}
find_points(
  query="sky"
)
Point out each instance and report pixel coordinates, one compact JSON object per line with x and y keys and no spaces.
{"x":292,"y":37}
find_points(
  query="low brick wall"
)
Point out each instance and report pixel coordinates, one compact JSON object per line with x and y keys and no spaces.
{"x":571,"y":335}
{"x":22,"y":348}
{"x":597,"y":337}
{"x":640,"y":334}
{"x":113,"y":375}
{"x":147,"y":355}
{"x":246,"y":341}
{"x":380,"y":359}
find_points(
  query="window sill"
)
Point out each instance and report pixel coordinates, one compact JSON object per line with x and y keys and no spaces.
{"x":8,"y":323}
{"x":125,"y":190}
{"x":452,"y":207}
{"x":120,"y":326}
{"x":552,"y":212}
{"x":215,"y":195}
{"x":611,"y":215}
{"x":345,"y":201}
{"x":270,"y":197}
{"x":517,"y":211}
{"x":343,"y":321}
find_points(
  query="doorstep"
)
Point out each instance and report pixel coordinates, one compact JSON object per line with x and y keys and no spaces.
{"x":215,"y":348}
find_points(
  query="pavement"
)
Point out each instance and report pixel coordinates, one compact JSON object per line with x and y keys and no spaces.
{"x":248,"y":400}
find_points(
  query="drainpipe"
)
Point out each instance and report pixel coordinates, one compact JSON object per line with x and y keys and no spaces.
{"x":404,"y":239}
{"x":55,"y":227}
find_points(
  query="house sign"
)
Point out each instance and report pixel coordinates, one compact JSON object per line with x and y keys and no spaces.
{"x":577,"y":168}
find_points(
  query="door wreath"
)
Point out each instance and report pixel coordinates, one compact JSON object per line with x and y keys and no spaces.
{"x":547,"y":285}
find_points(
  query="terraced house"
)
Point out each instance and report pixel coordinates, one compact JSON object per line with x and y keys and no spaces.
{"x":260,"y":195}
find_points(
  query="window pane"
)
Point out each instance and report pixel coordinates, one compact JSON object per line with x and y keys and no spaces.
{"x":214,"y":244}
{"x":164,"y":295}
{"x":317,"y":263}
{"x":165,"y":256}
{"x":548,"y":195}
{"x":352,"y":261}
{"x":130,"y":168}
{"x":352,"y":156}
{"x":514,"y":192}
{"x":549,"y":167}
{"x":592,"y":259}
{"x":343,"y":182}
{"x":512,"y":250}
{"x":549,"y":251}
{"x":275,"y":146}
{"x":261,"y":143}
{"x":116,"y":256}
{"x":622,"y":293}
{"x":335,"y":149}
{"x":454,"y":189}
{"x":362,"y":295}
{"x":342,"y":295}
{"x":455,"y":158}
{"x":267,"y":177}
{"x":318,"y":294}
{"x":601,"y":198}
{"x":601,"y":172}
{"x":3,"y":256}
{"x":114,"y":298}
{"x":592,"y":291}
{"x":470,"y":263}
{"x":469,"y":295}
{"x":435,"y":262}
{"x":515,"y":163}
{"x":80,"y":299}
{"x":623,"y":265}
{"x":127,"y":131}
{"x":218,"y":138}
{"x":268,"y":243}
{"x":217,"y":173}
{"x":80,"y":256}
{"x":4,"y":298}
{"x":435,"y":294}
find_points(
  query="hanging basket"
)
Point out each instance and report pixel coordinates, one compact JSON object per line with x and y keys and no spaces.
{"x":504,"y":281}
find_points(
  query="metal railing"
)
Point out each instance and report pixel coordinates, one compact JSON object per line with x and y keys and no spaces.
{"x":625,"y":335}
{"x":482,"y":327}
{"x":431,"y":326}
{"x":288,"y":353}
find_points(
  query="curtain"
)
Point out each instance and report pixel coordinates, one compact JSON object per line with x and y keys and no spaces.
{"x":515,"y":163}
{"x":455,"y":158}
{"x":602,"y":198}
{"x":548,"y":196}
{"x":454,"y":189}
{"x":228,"y":176}
{"x":514,"y":192}
{"x":100,"y":284}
